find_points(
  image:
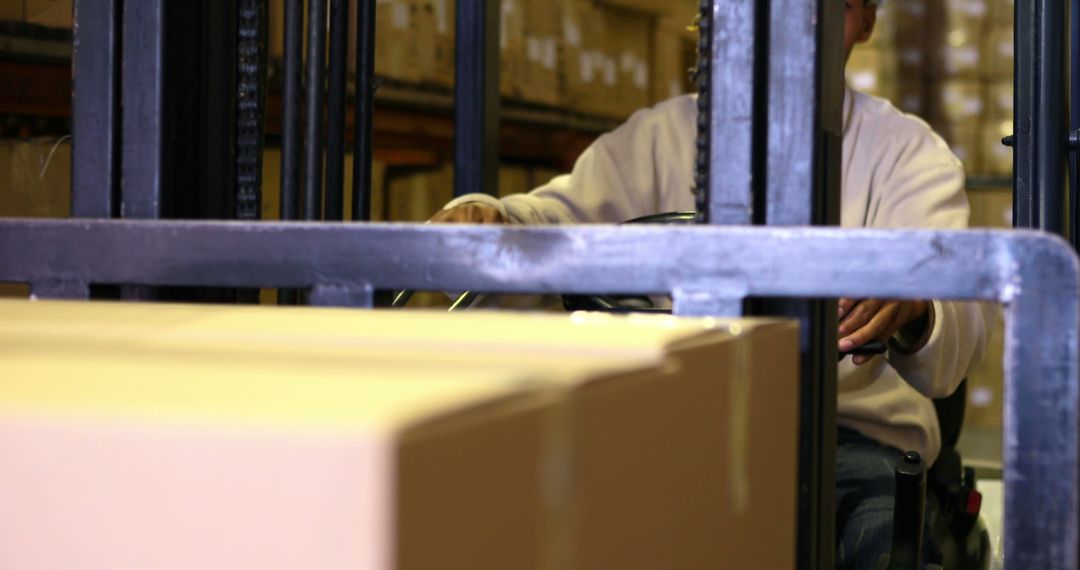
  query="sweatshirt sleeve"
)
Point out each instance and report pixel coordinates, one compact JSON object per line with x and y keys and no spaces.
{"x":619,"y":177}
{"x":920,"y":183}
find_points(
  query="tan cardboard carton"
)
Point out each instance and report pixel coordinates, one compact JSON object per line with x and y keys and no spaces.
{"x":962,"y":100}
{"x":677,"y":436}
{"x":682,"y":19}
{"x":573,"y":60}
{"x":651,"y":7}
{"x":404,"y":44}
{"x":997,"y":159}
{"x":965,"y":143}
{"x":180,"y":457}
{"x":630,"y":35}
{"x":51,"y":13}
{"x":271,"y":188}
{"x":445,"y":18}
{"x":512,"y":61}
{"x":541,"y":77}
{"x":670,"y":70}
{"x":998,"y":52}
{"x":35,"y":178}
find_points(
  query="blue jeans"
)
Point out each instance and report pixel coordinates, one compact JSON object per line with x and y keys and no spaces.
{"x":865,"y":495}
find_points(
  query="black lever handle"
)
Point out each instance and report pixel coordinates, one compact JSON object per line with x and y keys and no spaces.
{"x":868,"y":349}
{"x":909,"y":513}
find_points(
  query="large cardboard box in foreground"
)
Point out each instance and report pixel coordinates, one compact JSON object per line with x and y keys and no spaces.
{"x":493,"y":440}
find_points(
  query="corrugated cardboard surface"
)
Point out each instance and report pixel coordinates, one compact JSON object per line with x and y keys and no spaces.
{"x":670,"y":432}
{"x":35,"y":178}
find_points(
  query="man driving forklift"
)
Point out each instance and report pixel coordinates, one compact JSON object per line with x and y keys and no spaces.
{"x":896,"y":173}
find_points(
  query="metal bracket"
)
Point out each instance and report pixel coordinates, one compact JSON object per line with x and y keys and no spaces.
{"x":715,"y":300}
{"x":360,"y":296}
{"x":60,"y":289}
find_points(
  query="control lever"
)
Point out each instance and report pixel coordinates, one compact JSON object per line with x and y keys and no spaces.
{"x":908,"y":515}
{"x":869,"y":349}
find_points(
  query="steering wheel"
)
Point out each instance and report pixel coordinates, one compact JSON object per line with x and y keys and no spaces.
{"x":623,"y":304}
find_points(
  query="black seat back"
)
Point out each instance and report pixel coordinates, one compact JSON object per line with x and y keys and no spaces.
{"x":950,"y":413}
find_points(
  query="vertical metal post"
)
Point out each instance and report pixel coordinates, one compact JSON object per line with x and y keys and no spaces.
{"x":290,"y":121}
{"x":335,"y":110}
{"x":1040,"y":121}
{"x":1074,"y":122}
{"x":290,"y":113}
{"x":313,"y":116}
{"x":95,"y":167}
{"x":365,"y":94}
{"x":143,"y":105}
{"x":798,"y":184}
{"x":726,"y":110}
{"x":476,"y":97}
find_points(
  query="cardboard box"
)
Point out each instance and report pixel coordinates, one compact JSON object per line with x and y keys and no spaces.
{"x":999,"y":53}
{"x":512,"y":59}
{"x":35,"y":178}
{"x":513,"y":180}
{"x":967,"y":16}
{"x":682,"y":19}
{"x":872,"y":71}
{"x":1002,"y":12}
{"x":444,"y":46}
{"x":540,"y":80}
{"x":962,"y":101}
{"x":404,"y":45}
{"x":671,"y":67}
{"x":598,"y":64}
{"x":649,"y":420}
{"x":575,"y":75}
{"x":271,"y":187}
{"x":964,"y":141}
{"x":630,"y":38}
{"x":650,"y":7}
{"x":50,"y":13}
{"x":170,"y":459}
{"x":999,"y":100}
{"x":415,"y":197}
{"x":997,"y":158}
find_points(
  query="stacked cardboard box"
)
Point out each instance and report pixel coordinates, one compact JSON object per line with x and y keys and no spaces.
{"x":271,"y":190}
{"x":598,"y":57}
{"x":630,"y":36}
{"x":50,"y":13}
{"x":673,"y":57}
{"x":540,"y":71}
{"x":954,"y":68}
{"x":997,"y":76}
{"x":443,"y":42}
{"x":225,"y":437}
{"x":872,"y":67}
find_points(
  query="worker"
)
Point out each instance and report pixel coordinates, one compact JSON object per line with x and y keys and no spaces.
{"x":896,"y":173}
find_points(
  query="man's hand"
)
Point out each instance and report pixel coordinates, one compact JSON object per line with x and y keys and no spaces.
{"x":862,"y":321}
{"x":471,"y":213}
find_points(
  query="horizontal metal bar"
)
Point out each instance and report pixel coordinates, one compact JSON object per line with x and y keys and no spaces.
{"x":72,"y":290}
{"x":780,"y":262}
{"x":1034,"y":274}
{"x":360,"y":296}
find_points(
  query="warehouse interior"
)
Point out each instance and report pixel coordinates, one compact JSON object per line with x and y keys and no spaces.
{"x":568,"y":71}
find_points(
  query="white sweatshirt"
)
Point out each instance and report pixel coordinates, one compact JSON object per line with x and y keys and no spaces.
{"x":897,"y":173}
